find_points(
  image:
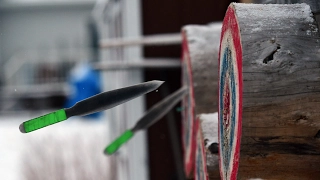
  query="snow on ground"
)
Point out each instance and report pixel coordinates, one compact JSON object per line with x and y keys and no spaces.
{"x":72,"y":149}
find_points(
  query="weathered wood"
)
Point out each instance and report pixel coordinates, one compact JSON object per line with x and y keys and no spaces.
{"x":314,"y":5}
{"x":200,"y":170}
{"x":199,"y":73}
{"x":203,"y":45}
{"x":269,"y":92}
{"x":208,"y":136}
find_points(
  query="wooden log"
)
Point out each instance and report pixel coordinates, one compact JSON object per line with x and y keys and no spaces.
{"x":200,"y":170}
{"x":207,"y":159}
{"x":269,"y":94}
{"x":199,"y":72}
{"x":314,"y":4}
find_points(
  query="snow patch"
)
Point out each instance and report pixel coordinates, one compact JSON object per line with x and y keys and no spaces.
{"x":270,"y":15}
{"x":71,"y":149}
{"x":274,"y":11}
{"x":205,"y":39}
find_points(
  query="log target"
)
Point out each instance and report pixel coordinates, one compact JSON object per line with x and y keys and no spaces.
{"x":200,"y":155}
{"x":188,"y":111}
{"x":269,"y":93}
{"x":200,"y":47}
{"x":230,"y":97}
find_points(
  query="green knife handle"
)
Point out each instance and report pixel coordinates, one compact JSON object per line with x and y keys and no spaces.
{"x":115,"y":145}
{"x":43,"y":121}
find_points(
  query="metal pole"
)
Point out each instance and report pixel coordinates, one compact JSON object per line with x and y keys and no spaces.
{"x":151,"y":40}
{"x":146,"y":64}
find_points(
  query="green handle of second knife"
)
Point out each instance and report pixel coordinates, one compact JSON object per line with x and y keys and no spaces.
{"x":116,"y":144}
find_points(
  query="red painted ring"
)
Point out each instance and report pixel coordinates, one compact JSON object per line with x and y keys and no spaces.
{"x":188,"y":116}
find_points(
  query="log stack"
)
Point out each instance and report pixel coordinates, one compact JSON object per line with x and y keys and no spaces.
{"x":269,"y":93}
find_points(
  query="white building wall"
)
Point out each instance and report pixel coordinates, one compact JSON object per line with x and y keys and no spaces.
{"x":39,"y":27}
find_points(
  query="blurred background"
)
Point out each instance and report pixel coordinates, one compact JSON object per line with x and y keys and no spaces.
{"x":56,"y":52}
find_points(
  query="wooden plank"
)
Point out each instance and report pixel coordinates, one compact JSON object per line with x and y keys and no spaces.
{"x":269,"y":92}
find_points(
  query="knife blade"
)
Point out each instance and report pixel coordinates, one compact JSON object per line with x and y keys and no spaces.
{"x":99,"y":102}
{"x":152,"y":116}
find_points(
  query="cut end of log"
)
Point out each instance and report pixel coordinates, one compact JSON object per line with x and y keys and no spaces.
{"x":188,"y":116}
{"x":230,"y":96}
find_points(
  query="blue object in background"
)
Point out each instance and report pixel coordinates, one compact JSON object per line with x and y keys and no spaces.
{"x":84,"y":82}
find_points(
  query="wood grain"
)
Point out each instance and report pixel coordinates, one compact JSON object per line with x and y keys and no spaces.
{"x":281,"y":92}
{"x":200,"y":74}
